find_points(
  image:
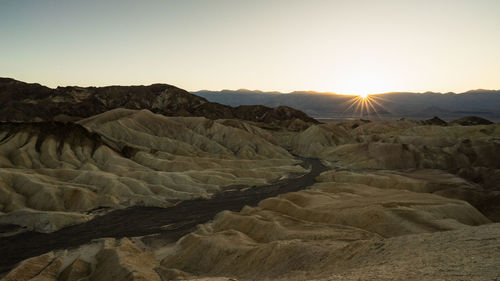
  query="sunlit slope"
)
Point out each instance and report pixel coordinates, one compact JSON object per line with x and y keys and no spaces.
{"x":53,"y":172}
{"x":190,"y":136}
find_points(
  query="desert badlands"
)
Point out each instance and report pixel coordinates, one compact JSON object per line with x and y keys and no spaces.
{"x":172,"y":187}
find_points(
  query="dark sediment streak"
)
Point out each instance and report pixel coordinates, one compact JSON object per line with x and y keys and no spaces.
{"x":139,"y":221}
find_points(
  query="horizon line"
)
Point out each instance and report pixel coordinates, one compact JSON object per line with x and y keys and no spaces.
{"x":262,"y":91}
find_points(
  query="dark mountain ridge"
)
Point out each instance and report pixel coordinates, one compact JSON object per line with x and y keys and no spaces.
{"x":21,"y":101}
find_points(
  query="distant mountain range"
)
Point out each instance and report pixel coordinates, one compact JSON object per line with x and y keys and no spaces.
{"x":20,"y":101}
{"x":483,"y":103}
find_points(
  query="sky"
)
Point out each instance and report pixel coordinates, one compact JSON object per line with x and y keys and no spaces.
{"x":341,"y":46}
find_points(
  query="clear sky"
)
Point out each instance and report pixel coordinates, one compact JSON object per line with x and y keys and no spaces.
{"x":343,"y":46}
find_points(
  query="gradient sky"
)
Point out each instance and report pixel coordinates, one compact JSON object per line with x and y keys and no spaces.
{"x":344,"y":46}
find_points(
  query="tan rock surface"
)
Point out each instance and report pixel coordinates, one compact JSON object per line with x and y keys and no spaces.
{"x":104,"y":259}
{"x":335,"y":230}
{"x":467,"y":254}
{"x":297,"y":233}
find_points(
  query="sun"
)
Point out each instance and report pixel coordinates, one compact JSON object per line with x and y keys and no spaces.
{"x":367,"y":105}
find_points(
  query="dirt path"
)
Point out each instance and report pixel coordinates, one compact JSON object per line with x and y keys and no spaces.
{"x":140,"y":221}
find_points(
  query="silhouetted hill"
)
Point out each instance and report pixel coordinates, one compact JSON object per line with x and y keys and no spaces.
{"x":484,"y":103}
{"x":471,"y":121}
{"x":21,"y":101}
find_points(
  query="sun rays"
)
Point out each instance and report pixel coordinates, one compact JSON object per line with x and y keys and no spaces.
{"x":364,"y":105}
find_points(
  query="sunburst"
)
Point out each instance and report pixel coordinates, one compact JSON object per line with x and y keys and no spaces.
{"x":364,"y":104}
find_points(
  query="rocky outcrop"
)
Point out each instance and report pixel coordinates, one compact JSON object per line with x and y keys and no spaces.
{"x":434,"y":121}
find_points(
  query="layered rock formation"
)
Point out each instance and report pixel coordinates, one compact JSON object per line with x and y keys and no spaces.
{"x":53,"y":173}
